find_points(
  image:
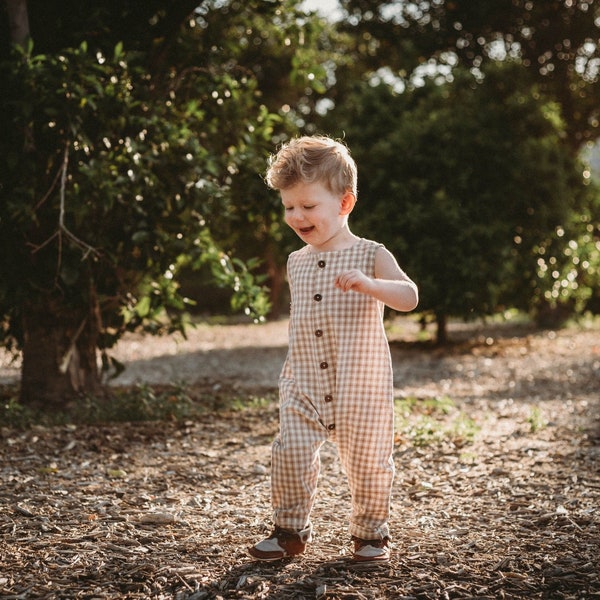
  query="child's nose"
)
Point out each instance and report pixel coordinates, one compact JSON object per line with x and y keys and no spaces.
{"x":297,"y":218}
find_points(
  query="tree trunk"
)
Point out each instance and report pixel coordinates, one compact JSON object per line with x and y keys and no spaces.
{"x":59,"y":355}
{"x":18,"y":21}
{"x":441,"y":322}
{"x":276,"y":273}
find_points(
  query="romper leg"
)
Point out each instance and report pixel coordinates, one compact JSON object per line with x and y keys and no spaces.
{"x":365,"y":446}
{"x":296,"y":463}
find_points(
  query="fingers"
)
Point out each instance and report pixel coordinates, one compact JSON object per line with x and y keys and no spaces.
{"x":351,"y":280}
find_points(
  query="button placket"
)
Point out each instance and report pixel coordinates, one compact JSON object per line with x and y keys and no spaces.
{"x":322,"y":345}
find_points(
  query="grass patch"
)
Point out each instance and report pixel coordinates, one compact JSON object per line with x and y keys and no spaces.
{"x":131,"y":404}
{"x":15,"y":415}
{"x":432,"y":421}
{"x":536,"y":419}
{"x":239,"y":403}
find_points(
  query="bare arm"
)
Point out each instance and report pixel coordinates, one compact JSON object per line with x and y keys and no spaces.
{"x":390,"y":285}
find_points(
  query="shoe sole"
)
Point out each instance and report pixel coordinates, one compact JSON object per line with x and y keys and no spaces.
{"x":357,"y":559}
{"x":266,"y":560}
{"x":360,"y":559}
{"x":263,"y":558}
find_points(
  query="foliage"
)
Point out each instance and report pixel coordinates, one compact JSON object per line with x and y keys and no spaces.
{"x":275,"y":43}
{"x":136,"y":139}
{"x":114,"y":187}
{"x":292,"y":57}
{"x":408,"y":46}
{"x":568,"y":263}
{"x":556,"y":42}
{"x":463,"y":181}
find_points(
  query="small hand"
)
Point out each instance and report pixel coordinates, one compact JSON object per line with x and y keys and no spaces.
{"x":355,"y":280}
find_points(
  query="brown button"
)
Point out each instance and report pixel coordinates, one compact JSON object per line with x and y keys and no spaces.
{"x":321,"y":264}
{"x":331,"y":426}
{"x":329,"y":398}
{"x":323,"y":365}
{"x":318,"y":297}
{"x":319,"y":332}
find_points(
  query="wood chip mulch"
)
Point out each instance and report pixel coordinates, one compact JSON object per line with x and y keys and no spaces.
{"x":166,"y":510}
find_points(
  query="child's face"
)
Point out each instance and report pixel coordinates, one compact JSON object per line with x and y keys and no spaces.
{"x":317,"y":215}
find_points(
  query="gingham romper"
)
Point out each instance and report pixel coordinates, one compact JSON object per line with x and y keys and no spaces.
{"x":336,"y":383}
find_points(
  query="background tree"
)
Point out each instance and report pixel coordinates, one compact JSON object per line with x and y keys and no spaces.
{"x":556,"y":42}
{"x":408,"y":45}
{"x":463,"y":181}
{"x":135,"y":137}
{"x":120,"y":163}
{"x":291,"y":57}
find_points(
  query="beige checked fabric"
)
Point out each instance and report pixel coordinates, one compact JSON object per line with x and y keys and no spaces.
{"x":336,"y":384}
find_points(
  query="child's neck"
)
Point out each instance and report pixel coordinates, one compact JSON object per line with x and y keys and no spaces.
{"x":343,"y":240}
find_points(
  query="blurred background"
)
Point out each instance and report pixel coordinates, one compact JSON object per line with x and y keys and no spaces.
{"x":134,"y":139}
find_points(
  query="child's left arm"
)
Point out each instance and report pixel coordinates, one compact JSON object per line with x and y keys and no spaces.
{"x":390,"y":285}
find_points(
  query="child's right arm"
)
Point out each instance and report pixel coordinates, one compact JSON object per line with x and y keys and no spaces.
{"x":390,"y":285}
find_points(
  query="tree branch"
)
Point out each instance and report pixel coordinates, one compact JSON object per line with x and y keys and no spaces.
{"x":62,"y":228}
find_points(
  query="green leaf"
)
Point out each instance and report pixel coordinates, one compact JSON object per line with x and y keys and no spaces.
{"x":142,"y":308}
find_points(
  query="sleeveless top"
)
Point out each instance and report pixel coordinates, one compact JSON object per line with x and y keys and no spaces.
{"x":338,"y":352}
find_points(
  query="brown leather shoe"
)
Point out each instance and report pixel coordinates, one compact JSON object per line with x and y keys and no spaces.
{"x":282,"y":543}
{"x":373,"y":551}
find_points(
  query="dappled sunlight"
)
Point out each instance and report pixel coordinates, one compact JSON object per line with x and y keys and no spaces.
{"x":496,"y":491}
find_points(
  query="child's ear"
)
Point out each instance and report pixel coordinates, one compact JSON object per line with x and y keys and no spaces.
{"x":347,"y":204}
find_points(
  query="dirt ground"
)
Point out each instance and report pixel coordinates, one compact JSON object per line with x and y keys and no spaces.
{"x":497,"y":492}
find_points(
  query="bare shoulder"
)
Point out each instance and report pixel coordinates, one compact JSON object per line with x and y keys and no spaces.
{"x":387,"y":267}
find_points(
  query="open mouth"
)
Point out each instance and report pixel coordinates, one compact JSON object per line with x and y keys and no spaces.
{"x":305,"y":230}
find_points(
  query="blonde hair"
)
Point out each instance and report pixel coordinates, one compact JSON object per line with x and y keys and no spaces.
{"x":312,"y":159}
